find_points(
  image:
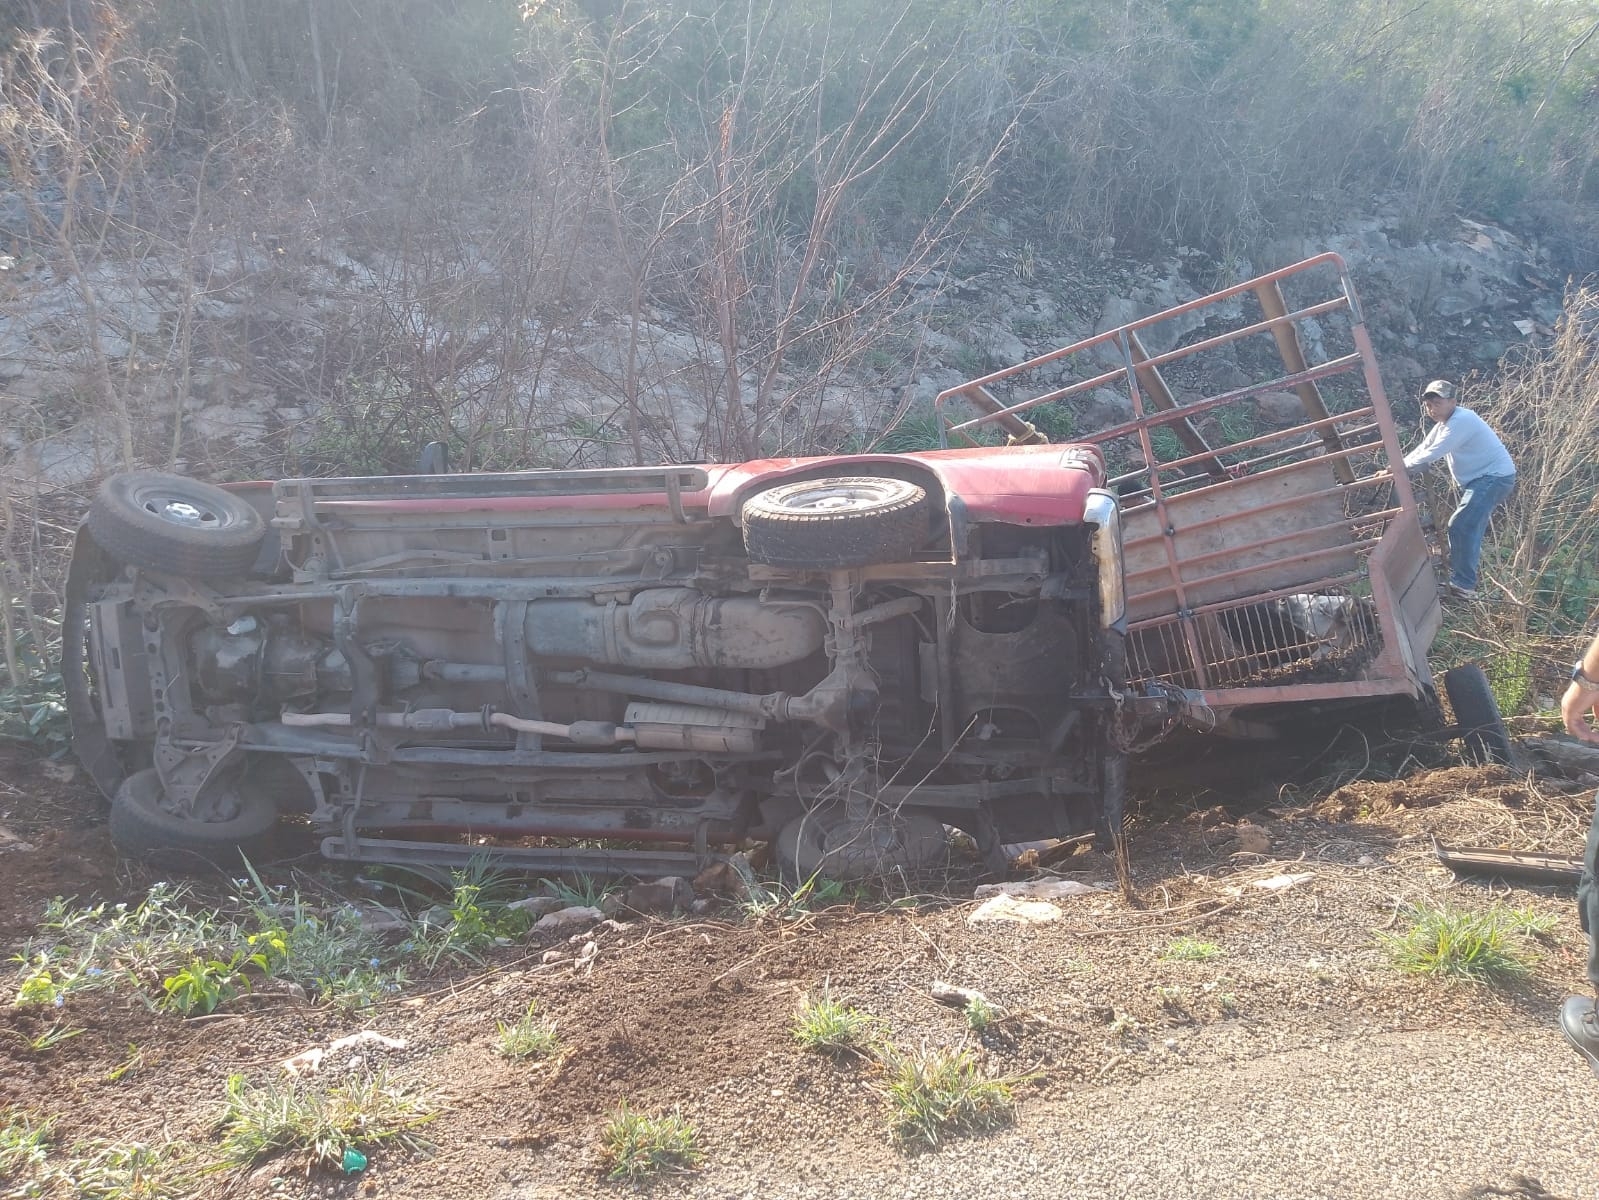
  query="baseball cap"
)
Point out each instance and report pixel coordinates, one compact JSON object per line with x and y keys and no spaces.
{"x":1439,"y":387}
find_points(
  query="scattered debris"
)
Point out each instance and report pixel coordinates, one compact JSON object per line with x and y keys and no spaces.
{"x":1036,"y":889}
{"x":552,"y":956}
{"x":1510,"y":864}
{"x":308,"y":1062}
{"x":1278,"y":883}
{"x":1002,"y":908}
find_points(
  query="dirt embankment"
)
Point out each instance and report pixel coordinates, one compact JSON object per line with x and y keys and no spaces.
{"x":1235,"y":1030}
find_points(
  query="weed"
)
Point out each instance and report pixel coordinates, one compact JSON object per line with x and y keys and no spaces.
{"x":23,"y":1145}
{"x":579,"y":891}
{"x":1187,"y":949}
{"x":529,"y":1036}
{"x":634,"y":1146}
{"x":980,"y":1014}
{"x":934,"y":1092}
{"x":128,"y":1066}
{"x":1479,"y":947}
{"x":470,"y":923}
{"x":51,"y":1038}
{"x":830,"y":1027}
{"x":202,"y":985}
{"x":320,"y":1120}
{"x":133,"y":1170}
{"x":1123,"y":1025}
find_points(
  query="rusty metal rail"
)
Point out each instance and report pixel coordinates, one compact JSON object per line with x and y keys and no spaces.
{"x":1273,"y":556}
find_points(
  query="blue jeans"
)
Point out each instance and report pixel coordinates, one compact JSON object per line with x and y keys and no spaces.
{"x":1478,"y":499}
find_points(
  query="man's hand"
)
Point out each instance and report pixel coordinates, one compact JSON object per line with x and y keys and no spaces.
{"x":1576,"y":707}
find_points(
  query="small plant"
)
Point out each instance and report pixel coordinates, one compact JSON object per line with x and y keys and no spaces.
{"x":51,"y":1038}
{"x":133,"y":1170}
{"x":128,"y":1066}
{"x":23,"y":1145}
{"x":1123,"y":1025}
{"x":1187,"y":949}
{"x":980,"y":1014}
{"x":935,"y":1092}
{"x":1478,"y":947}
{"x":578,"y":890}
{"x":529,"y":1036}
{"x":204,"y":984}
{"x":634,"y":1146}
{"x":320,"y":1120}
{"x":831,"y":1027}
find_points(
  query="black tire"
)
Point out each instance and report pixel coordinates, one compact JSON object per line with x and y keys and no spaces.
{"x":170,"y":523}
{"x":826,"y":843}
{"x":841,"y":521}
{"x":142,"y":828}
{"x":1477,"y":715}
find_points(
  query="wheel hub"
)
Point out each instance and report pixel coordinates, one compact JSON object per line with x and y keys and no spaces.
{"x":179,"y":512}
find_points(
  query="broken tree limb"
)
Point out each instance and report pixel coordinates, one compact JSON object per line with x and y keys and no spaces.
{"x":1570,"y":755}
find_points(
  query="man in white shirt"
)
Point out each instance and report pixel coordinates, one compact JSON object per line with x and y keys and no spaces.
{"x":1481,"y":468}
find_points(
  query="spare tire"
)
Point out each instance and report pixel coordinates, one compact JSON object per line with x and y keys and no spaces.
{"x":842,"y":521}
{"x":1477,"y":715}
{"x":175,"y":524}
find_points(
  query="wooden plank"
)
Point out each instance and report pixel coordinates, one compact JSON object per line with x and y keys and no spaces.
{"x":1154,"y":386}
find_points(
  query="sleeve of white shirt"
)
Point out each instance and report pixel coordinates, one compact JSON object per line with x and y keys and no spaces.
{"x":1441,"y":440}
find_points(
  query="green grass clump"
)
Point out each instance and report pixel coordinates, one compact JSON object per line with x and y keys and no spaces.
{"x":1187,"y":949}
{"x":634,"y":1146}
{"x":1492,"y":947}
{"x":529,"y":1036}
{"x":829,"y":1026}
{"x":932,"y":1093}
{"x":24,"y":1146}
{"x":320,"y":1120}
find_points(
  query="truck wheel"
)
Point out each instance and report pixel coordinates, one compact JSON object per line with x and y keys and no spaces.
{"x":142,"y":828}
{"x":826,"y":843}
{"x":836,"y":522}
{"x":1477,"y":715}
{"x":174,"y":524}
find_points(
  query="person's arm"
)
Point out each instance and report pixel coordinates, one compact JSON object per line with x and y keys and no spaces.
{"x":1577,"y":705}
{"x":1441,"y":440}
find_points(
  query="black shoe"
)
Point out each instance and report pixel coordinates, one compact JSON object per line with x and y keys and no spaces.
{"x":1579,"y":1021}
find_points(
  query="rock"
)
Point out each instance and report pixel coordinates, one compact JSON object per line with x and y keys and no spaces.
{"x":666,"y":895}
{"x":1103,"y":408}
{"x":702,"y":905}
{"x":1036,"y":889}
{"x":1280,"y":408}
{"x":720,"y":879}
{"x":383,"y":922}
{"x":565,"y":920}
{"x":1009,"y":910}
{"x":1253,"y":839}
{"x":954,"y":996}
{"x":538,"y":906}
{"x":552,"y":956}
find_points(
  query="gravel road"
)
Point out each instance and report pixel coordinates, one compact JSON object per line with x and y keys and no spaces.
{"x":1415,"y":1115}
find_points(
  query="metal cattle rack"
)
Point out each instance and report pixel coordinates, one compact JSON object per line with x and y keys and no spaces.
{"x":1274,"y":554}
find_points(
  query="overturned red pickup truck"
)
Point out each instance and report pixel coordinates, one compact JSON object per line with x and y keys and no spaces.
{"x":844,"y":655}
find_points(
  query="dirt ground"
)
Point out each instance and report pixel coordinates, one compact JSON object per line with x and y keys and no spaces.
{"x":1294,"y":1061}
